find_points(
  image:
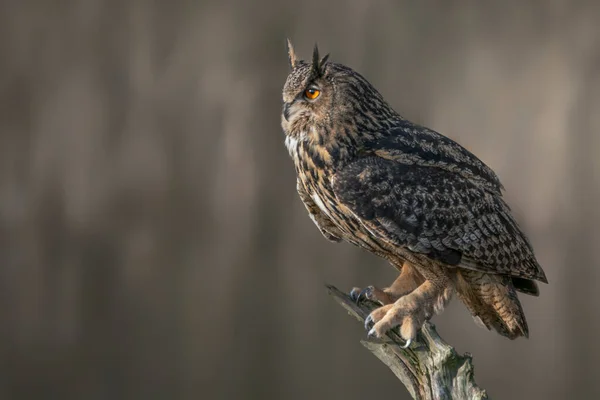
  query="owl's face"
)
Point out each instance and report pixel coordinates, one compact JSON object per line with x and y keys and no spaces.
{"x":321,"y":99}
{"x":308,"y":99}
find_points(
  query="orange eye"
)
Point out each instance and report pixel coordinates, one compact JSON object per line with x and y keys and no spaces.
{"x":312,"y":93}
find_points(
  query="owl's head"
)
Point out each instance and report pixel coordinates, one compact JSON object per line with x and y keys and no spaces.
{"x":320,"y":97}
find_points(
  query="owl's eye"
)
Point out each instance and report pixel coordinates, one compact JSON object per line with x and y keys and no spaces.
{"x":312,"y":93}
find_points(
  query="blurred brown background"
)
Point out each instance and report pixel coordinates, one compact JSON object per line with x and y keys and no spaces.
{"x":152,"y":245}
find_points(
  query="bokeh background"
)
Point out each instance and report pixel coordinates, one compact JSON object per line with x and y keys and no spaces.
{"x":152,"y":245}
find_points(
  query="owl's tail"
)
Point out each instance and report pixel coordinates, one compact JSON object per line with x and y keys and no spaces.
{"x":493,"y":301}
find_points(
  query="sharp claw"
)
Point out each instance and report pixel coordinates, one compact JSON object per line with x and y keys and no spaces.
{"x":362,"y":294}
{"x":408,"y":342}
{"x":372,"y":333}
{"x":354,"y":294}
{"x":368,"y":320}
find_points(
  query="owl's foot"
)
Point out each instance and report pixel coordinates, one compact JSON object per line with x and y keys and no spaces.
{"x":406,"y":314}
{"x":408,"y":280}
{"x":409,"y":312}
{"x":371,"y":293}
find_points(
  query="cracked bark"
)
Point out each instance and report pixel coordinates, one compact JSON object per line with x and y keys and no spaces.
{"x":430,"y":368}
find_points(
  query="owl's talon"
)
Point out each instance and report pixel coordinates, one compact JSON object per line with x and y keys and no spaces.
{"x":408,"y":313}
{"x":355,"y":294}
{"x":370,"y":293}
{"x":365,"y":293}
{"x":368,"y":321}
{"x":358,"y":294}
{"x":372,"y":333}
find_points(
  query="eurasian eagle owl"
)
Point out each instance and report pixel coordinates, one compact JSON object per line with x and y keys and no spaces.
{"x":408,"y":194}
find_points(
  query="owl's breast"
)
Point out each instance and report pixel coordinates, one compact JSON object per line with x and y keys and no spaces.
{"x":315,"y":178}
{"x":318,"y":186}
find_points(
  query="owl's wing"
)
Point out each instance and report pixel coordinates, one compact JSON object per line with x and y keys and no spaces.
{"x":327,"y":228}
{"x":410,"y":143}
{"x":436,"y":212}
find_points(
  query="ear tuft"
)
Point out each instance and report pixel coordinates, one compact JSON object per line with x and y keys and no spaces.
{"x":315,"y":59}
{"x":291,"y":54}
{"x":318,"y":63}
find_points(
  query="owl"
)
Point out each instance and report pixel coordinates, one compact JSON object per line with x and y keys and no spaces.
{"x":408,"y":194}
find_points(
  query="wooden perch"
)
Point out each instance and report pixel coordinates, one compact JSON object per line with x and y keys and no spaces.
{"x":429,"y":368}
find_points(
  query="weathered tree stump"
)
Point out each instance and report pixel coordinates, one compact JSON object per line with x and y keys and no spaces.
{"x":429,"y":368}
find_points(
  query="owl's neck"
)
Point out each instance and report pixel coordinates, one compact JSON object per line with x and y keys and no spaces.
{"x":321,"y":151}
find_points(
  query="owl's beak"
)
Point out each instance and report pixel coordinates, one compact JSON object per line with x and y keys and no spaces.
{"x":286,"y":111}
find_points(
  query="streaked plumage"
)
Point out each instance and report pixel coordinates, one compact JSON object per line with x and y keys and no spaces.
{"x":408,"y":194}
